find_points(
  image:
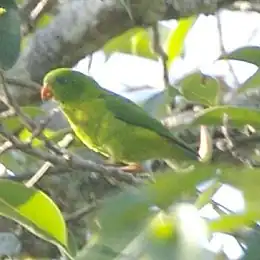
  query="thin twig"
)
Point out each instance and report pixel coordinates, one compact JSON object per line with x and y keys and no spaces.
{"x":223,"y":52}
{"x":39,"y":174}
{"x":163,"y":58}
{"x":230,"y":143}
{"x":43,"y":124}
{"x":65,"y":142}
{"x":6,"y":114}
{"x":72,"y":163}
{"x":57,"y":170}
{"x":225,"y":132}
{"x":30,"y":85}
{"x":80,"y":212}
{"x":7,"y":145}
{"x":220,"y":207}
{"x":240,"y":243}
{"x":162,"y":55}
{"x":90,"y":62}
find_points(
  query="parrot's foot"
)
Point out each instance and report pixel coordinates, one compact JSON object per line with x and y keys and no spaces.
{"x":132,"y":168}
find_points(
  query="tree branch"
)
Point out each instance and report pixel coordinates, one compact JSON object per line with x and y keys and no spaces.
{"x":82,"y":27}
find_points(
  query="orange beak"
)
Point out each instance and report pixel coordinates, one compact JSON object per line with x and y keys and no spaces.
{"x":46,"y":93}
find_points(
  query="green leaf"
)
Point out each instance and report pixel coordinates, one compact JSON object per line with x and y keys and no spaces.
{"x":44,"y":21}
{"x":55,"y":136}
{"x":13,"y":123}
{"x":251,"y":83}
{"x":34,"y":210}
{"x":135,"y":41}
{"x":97,"y":251}
{"x":205,"y":197}
{"x":250,"y":54}
{"x":201,"y":89}
{"x":237,"y":116}
{"x":72,"y":244}
{"x":233,"y":222}
{"x":174,"y":43}
{"x":10,"y":34}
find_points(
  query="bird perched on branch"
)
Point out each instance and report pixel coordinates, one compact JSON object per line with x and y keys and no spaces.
{"x":109,"y":123}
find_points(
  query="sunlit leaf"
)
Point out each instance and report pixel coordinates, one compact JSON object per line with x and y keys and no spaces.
{"x":233,"y":222}
{"x":13,"y":123}
{"x":2,"y":11}
{"x":174,"y":43}
{"x":34,"y":210}
{"x":141,"y":45}
{"x":237,"y":116}
{"x":250,"y":54}
{"x":10,"y":34}
{"x":55,"y":136}
{"x":135,"y":41}
{"x":44,"y":21}
{"x":201,"y":89}
{"x":161,"y":237}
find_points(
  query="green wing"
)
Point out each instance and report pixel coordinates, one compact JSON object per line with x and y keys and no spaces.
{"x":127,"y":111}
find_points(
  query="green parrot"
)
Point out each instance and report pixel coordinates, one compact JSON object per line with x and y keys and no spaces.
{"x":110,"y":124}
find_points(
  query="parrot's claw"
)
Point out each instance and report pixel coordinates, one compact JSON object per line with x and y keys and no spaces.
{"x":132,"y":168}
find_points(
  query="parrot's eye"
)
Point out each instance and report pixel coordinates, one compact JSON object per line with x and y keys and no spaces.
{"x":62,"y":80}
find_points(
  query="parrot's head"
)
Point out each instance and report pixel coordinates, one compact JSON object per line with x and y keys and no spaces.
{"x":66,"y":85}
